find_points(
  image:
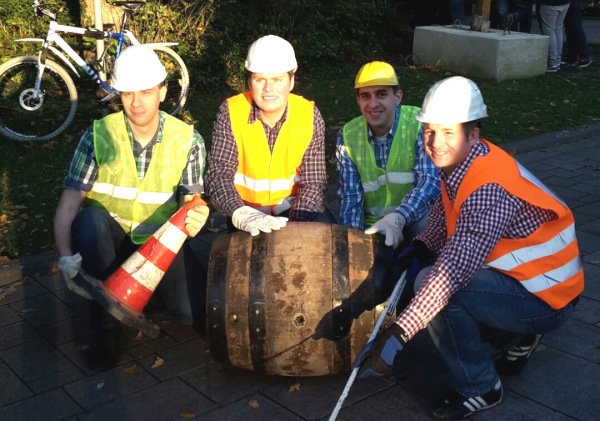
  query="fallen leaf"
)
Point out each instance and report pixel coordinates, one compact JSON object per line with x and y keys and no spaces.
{"x":158,"y":362}
{"x":4,"y":260}
{"x":253,"y":404}
{"x":294,"y":388}
{"x":188,"y":414}
{"x":130,"y":369}
{"x":139,"y":336}
{"x":3,"y":217}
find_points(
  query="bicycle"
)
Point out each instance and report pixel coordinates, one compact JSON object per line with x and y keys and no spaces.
{"x":38,"y":98}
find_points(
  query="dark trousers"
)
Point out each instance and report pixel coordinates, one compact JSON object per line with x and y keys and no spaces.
{"x":577,"y":46}
{"x":104,"y":246}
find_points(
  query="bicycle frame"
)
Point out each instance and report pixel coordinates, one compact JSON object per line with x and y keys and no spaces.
{"x":53,"y":37}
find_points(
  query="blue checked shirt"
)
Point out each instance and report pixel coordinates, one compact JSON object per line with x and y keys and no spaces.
{"x":426,"y":185}
{"x":83,"y":170}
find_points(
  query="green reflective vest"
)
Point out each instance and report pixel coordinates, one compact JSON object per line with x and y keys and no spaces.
{"x":384,"y":187}
{"x":140,"y":207}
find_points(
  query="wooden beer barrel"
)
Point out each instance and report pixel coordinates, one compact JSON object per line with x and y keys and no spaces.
{"x":268,"y":295}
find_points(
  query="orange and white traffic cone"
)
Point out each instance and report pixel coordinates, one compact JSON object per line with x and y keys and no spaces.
{"x":127,"y":291}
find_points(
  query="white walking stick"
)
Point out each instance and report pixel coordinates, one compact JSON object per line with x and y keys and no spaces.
{"x":387,"y":311}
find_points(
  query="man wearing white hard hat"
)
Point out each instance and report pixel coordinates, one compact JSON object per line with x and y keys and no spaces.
{"x":267,"y":160}
{"x":506,"y":266}
{"x":129,"y":174}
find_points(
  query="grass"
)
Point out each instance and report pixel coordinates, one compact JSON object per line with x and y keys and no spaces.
{"x":31,"y":174}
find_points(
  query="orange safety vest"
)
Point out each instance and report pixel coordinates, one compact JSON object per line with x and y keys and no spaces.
{"x":546,"y":262}
{"x":265,"y":179}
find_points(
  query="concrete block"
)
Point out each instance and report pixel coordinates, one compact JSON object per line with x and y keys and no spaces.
{"x":489,"y":55}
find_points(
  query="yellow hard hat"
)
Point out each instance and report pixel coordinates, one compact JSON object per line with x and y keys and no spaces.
{"x":376,"y":73}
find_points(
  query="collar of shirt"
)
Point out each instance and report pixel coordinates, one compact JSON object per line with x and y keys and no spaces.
{"x":255,"y":115}
{"x":157,"y":136}
{"x":453,"y":180}
{"x":390,"y":135}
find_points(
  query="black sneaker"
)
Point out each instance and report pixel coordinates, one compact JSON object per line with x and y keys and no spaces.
{"x":514,"y":360}
{"x":455,"y":406}
{"x":584,"y":62}
{"x":552,"y":69}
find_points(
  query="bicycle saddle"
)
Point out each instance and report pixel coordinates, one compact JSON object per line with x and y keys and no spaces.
{"x":133,"y":5}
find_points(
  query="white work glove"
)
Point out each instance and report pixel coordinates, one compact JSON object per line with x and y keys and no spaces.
{"x":391,"y":225}
{"x":70,"y":267}
{"x":254,"y":221}
{"x":195,"y":218}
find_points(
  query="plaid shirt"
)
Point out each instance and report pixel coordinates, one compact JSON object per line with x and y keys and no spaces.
{"x":426,"y":185}
{"x":83,"y":170}
{"x":223,"y":164}
{"x":490,"y":213}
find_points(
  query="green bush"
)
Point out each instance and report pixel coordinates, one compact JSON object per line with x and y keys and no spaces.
{"x":214,"y":35}
{"x":325,"y":35}
{"x":591,"y":8}
{"x":18,"y":21}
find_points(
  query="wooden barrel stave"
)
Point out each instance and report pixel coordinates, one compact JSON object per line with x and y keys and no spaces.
{"x":267,"y":294}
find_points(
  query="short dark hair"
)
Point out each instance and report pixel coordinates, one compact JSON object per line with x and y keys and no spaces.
{"x":470,"y":125}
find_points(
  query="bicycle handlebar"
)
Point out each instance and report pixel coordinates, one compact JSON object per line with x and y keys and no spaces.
{"x":39,"y":10}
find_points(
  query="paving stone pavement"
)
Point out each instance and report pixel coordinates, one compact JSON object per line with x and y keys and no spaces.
{"x":44,"y":331}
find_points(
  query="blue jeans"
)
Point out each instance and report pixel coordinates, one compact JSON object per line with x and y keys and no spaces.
{"x":104,"y":246}
{"x":494,"y":305}
{"x":577,"y":45}
{"x":553,"y":18}
{"x":521,"y":11}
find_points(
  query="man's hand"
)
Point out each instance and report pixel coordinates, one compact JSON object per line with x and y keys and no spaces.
{"x":412,"y":258}
{"x":196,"y":217}
{"x":70,"y":267}
{"x":391,"y":225}
{"x":377,"y":357}
{"x":254,"y":221}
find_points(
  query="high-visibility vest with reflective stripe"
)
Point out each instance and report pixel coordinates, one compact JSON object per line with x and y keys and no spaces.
{"x":546,"y":262}
{"x":384,"y":188}
{"x":140,"y":207}
{"x":265,"y":179}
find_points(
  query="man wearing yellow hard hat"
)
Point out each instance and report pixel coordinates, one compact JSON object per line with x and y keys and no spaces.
{"x":386,"y":180}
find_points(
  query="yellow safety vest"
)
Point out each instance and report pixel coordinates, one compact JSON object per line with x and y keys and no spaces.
{"x":140,"y":207}
{"x":384,"y":187}
{"x":546,"y":262}
{"x":265,"y":179}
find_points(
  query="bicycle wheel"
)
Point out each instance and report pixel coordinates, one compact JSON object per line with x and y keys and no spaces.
{"x":24,"y":118}
{"x":178,"y":80}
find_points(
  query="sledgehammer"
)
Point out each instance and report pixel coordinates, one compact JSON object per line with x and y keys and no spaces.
{"x":127,"y":291}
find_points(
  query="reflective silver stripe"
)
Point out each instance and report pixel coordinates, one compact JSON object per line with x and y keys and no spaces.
{"x":389,"y":178}
{"x":527,"y":254}
{"x":132,"y":193}
{"x":170,"y":236}
{"x":380,"y":210}
{"x":118,"y":192}
{"x":265,"y":184}
{"x":553,"y":277}
{"x":136,"y":227}
{"x":154,"y":198}
{"x":529,"y":176}
{"x":141,"y":269}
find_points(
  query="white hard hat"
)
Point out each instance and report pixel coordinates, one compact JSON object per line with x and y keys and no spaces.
{"x":451,"y":101}
{"x":271,"y":54}
{"x":136,"y":69}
